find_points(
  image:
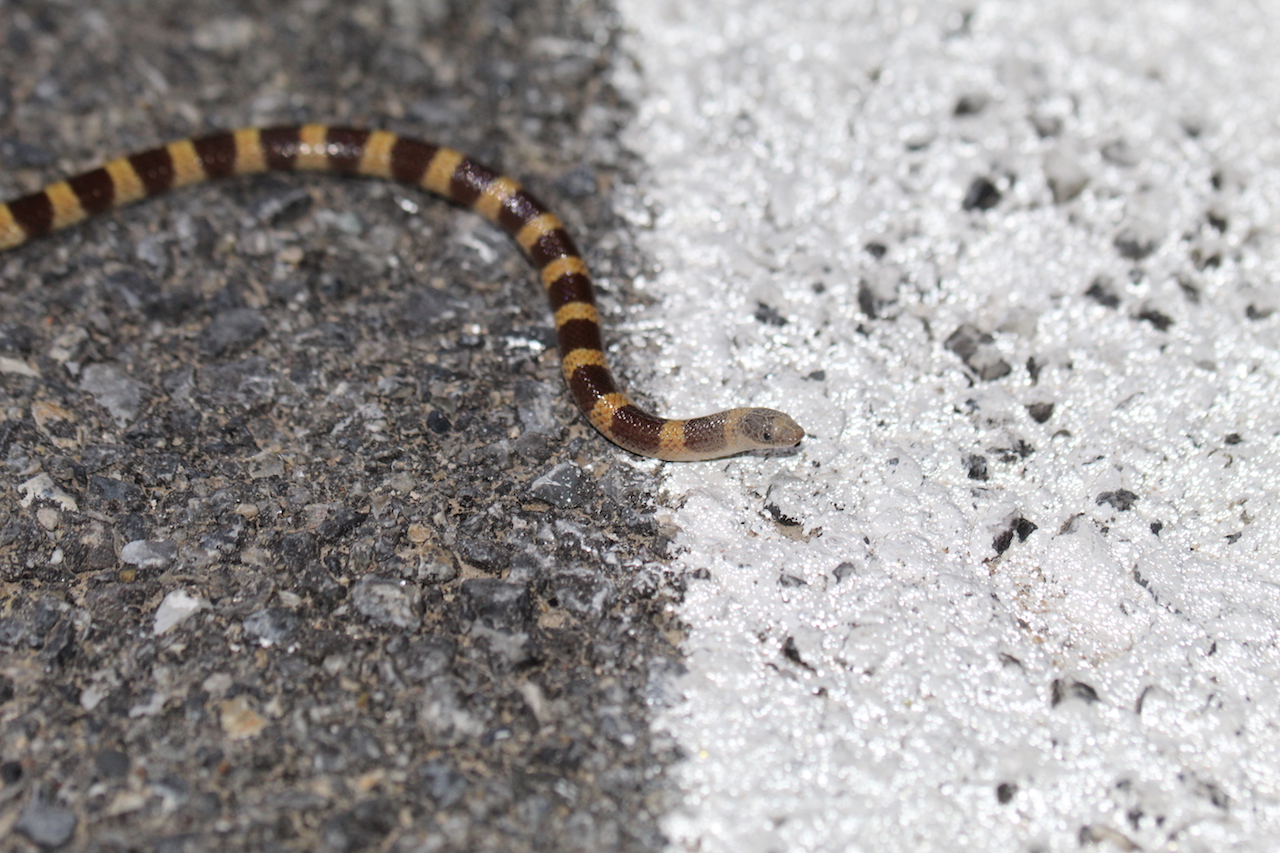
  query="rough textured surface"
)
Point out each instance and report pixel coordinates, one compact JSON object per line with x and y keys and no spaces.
{"x":1014,"y":266}
{"x":302,"y":546}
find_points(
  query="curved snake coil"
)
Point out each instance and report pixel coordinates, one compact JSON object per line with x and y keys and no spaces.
{"x":456,"y":177}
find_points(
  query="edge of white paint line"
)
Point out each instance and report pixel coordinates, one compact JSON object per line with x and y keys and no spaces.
{"x":888,"y":653}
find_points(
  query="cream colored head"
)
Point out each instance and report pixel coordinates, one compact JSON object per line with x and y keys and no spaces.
{"x":759,"y":429}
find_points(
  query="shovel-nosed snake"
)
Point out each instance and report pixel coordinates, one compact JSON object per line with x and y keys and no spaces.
{"x":456,"y":177}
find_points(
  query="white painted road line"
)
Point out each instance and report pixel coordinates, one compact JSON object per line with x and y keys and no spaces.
{"x":1015,"y":267}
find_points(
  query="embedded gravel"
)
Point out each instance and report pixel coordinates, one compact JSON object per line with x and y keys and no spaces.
{"x":302,"y":545}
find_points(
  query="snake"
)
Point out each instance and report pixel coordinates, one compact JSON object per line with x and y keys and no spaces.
{"x":454,"y":176}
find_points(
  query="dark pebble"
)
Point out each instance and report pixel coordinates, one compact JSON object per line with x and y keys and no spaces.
{"x":966,"y":340}
{"x":779,"y":517}
{"x":297,"y":550}
{"x":991,"y":370}
{"x":977,"y":466}
{"x":29,"y":626}
{"x":361,"y":828}
{"x":1002,"y":541}
{"x":482,"y":554}
{"x":438,"y":423}
{"x":112,"y":764}
{"x":232,"y":330}
{"x":872,"y":301}
{"x":16,"y":338}
{"x":134,"y":526}
{"x":245,"y":383}
{"x":1156,"y":318}
{"x":1040,"y":412}
{"x":563,"y":486}
{"x":500,"y":605}
{"x":791,"y":652}
{"x":339,"y":523}
{"x":1019,"y":527}
{"x":769,"y":315}
{"x":59,"y":643}
{"x":1121,"y":499}
{"x":981,"y":195}
{"x":1133,"y":244}
{"x":92,"y":549}
{"x":1102,"y":292}
{"x":110,"y":495}
{"x":287,"y":290}
{"x":975,"y":349}
{"x":1062,"y":690}
{"x":970,"y":105}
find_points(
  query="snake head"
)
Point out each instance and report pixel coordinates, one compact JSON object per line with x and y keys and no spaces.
{"x":766,"y":428}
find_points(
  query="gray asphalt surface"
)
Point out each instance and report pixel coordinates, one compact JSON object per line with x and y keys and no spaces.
{"x":429,"y":596}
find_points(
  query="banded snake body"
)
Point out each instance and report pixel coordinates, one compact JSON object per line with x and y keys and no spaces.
{"x":457,"y":178}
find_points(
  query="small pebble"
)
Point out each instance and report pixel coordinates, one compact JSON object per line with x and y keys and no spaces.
{"x":232,"y":330}
{"x":1065,"y":173}
{"x":149,"y":553}
{"x":45,"y":824}
{"x":112,"y":388}
{"x":563,"y":486}
{"x":500,"y":605}
{"x":584,"y":593}
{"x":271,"y":625}
{"x":112,"y":763}
{"x":442,"y":782}
{"x":434,"y":570}
{"x":981,"y":195}
{"x":239,"y":720}
{"x":1121,"y":499}
{"x":388,"y":602}
{"x":42,"y":488}
{"x":177,"y":607}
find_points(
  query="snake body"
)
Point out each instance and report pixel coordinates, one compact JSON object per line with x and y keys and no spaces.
{"x":456,"y":177}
